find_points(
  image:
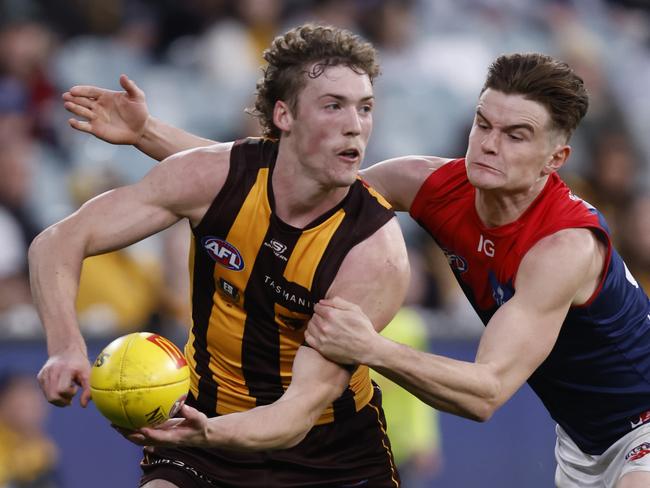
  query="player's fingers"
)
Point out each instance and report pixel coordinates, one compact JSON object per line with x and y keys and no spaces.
{"x":131,"y":88}
{"x":66,"y":388}
{"x":79,"y":110}
{"x":189,"y":413}
{"x":138,"y":439}
{"x":152,"y":436}
{"x":83,"y":101}
{"x":50,"y":386}
{"x":86,"y":91}
{"x":80,"y":125}
{"x":309,"y":337}
{"x":85,"y":392}
{"x":338,"y":302}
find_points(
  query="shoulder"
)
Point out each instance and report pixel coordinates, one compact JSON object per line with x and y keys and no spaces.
{"x":188,"y":181}
{"x":399,"y":179}
{"x":570,"y":242}
{"x":213,"y":155}
{"x":570,"y":261}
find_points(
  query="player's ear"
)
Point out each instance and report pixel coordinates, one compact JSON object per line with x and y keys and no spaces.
{"x":557,"y":159}
{"x":282,"y":116}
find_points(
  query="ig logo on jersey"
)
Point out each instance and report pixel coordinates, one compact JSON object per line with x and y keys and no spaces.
{"x":223,"y":253}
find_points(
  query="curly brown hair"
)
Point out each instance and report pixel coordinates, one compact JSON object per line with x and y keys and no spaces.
{"x":545,"y":80}
{"x":301,"y":53}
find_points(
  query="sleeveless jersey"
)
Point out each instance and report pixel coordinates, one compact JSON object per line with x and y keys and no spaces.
{"x":596,"y":380}
{"x":255,"y":280}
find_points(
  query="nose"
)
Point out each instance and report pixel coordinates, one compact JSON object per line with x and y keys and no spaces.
{"x":489,"y":143}
{"x":352,"y":125}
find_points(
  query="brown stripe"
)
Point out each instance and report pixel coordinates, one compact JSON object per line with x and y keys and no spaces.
{"x":261,"y":342}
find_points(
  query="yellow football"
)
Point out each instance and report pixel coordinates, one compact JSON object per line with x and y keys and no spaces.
{"x":139,"y":379}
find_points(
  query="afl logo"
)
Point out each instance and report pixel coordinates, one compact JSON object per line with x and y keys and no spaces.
{"x":456,"y":262}
{"x":223,"y":253}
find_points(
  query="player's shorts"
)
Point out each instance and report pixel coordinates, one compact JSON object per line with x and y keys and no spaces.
{"x":575,"y":469}
{"x":351,"y":452}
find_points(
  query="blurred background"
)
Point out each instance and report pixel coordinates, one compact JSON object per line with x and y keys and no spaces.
{"x":198,"y":61}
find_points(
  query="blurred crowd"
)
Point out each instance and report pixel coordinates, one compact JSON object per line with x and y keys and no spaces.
{"x":198,"y":61}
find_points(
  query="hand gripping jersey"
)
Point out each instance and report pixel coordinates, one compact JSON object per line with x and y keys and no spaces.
{"x":255,"y":280}
{"x":596,"y":380}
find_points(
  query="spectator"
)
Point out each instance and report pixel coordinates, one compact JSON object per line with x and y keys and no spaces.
{"x":28,"y":457}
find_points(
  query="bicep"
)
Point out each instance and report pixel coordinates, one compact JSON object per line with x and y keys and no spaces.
{"x":523,"y":331}
{"x":119,"y":218}
{"x":375,"y":275}
{"x":399,"y":179}
{"x":181,"y":186}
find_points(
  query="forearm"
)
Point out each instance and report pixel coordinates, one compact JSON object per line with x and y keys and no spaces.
{"x":161,"y":140}
{"x":54,"y":269}
{"x":462,"y":388}
{"x":276,"y":426}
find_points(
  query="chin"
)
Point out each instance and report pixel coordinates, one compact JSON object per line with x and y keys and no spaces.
{"x":484,"y":181}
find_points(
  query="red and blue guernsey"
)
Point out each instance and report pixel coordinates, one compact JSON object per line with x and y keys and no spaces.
{"x":596,"y":381}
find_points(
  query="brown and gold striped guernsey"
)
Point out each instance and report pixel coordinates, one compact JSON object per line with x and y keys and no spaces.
{"x":255,"y":280}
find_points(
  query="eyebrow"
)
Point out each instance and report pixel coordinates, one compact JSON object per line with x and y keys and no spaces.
{"x":509,"y":128}
{"x":343,"y":98}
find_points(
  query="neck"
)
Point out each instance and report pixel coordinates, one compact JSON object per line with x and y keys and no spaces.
{"x":299,"y":197}
{"x":497,"y":207}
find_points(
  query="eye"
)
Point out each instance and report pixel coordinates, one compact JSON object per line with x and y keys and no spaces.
{"x":366,"y":109}
{"x":333,"y":106}
{"x":515,"y":137}
{"x":482,"y":125}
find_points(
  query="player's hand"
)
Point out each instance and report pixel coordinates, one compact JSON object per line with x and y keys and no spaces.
{"x":118,"y":117}
{"x":340,"y":331}
{"x":190,"y":429}
{"x":62,"y":376}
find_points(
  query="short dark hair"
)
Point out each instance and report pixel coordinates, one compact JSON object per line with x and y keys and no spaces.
{"x":290,"y":55}
{"x":545,"y":80}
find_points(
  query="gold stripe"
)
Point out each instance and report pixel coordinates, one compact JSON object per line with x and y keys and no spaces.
{"x":226,"y":328}
{"x":380,"y":198}
{"x":361,"y":386}
{"x":383,"y":442}
{"x":189,"y":346}
{"x":309,"y":249}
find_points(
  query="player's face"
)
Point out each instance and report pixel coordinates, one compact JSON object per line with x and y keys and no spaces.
{"x":332,"y":124}
{"x":511,"y":144}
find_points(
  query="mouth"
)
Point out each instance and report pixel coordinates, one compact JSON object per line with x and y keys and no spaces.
{"x":351,"y":155}
{"x":485,"y":166}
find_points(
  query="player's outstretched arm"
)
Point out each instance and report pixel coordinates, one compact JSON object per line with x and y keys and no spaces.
{"x":122,"y":117}
{"x":516,"y":341}
{"x":110,"y":221}
{"x":399,"y":179}
{"x":316,"y":382}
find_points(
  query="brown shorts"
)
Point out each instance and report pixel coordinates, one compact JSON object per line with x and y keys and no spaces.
{"x":354,"y":452}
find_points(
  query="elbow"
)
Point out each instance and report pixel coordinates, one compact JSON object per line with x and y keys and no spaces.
{"x":295,"y":434}
{"x":487,"y":403}
{"x":294,"y":440}
{"x":482,"y":412}
{"x":39,"y":245}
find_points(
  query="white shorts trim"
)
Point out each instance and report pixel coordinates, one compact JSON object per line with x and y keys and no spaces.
{"x":575,"y":469}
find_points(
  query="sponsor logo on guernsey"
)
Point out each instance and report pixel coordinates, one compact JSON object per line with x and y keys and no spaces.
{"x":224,"y":253}
{"x":642,"y":419}
{"x":457,"y":263}
{"x":501,"y":292}
{"x":229,"y":290}
{"x":638,"y":452}
{"x":278,"y":248}
{"x":286,"y":296}
{"x":485,"y":246}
